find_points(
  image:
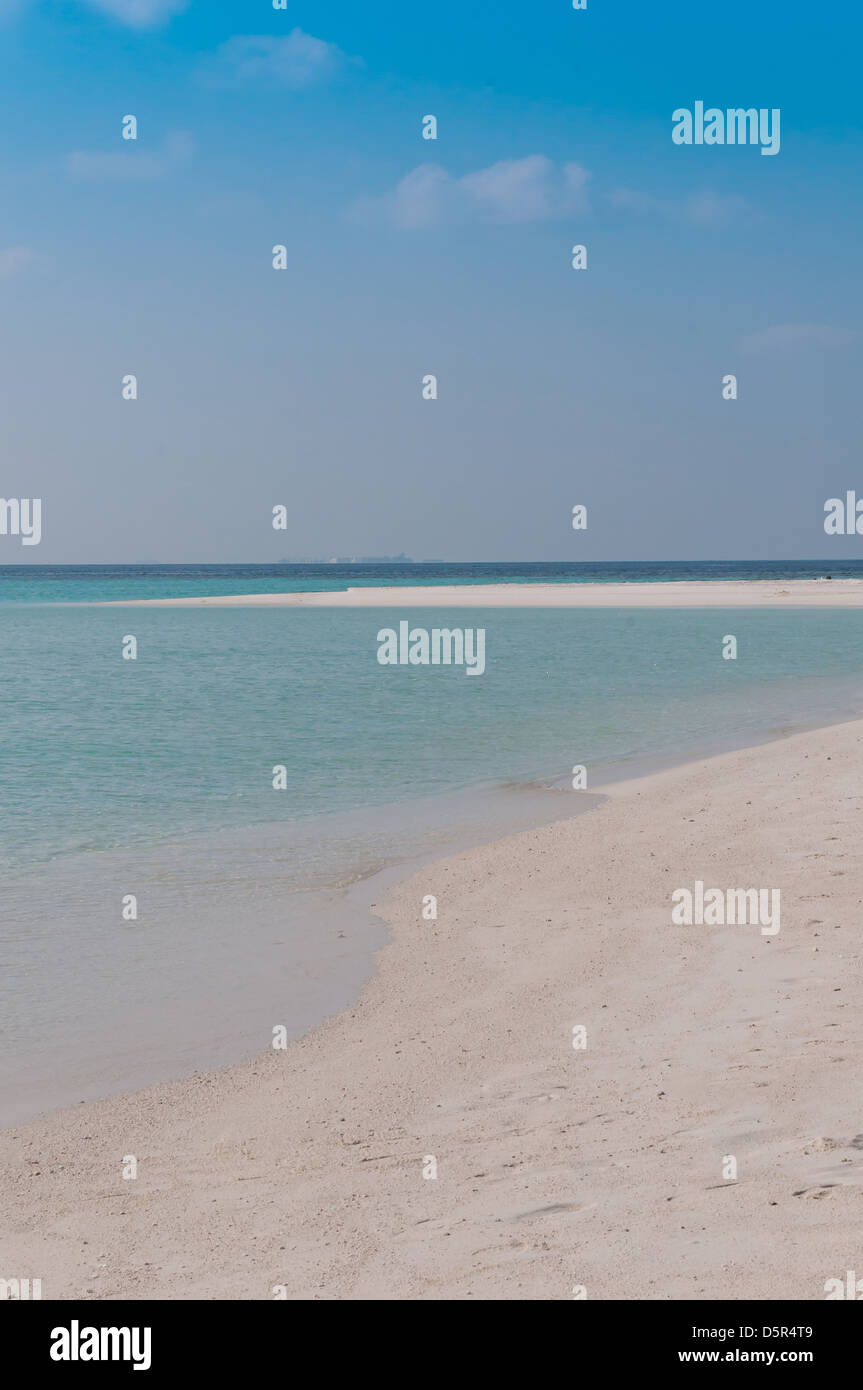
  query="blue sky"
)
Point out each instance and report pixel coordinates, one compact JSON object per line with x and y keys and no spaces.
{"x":302,"y":127}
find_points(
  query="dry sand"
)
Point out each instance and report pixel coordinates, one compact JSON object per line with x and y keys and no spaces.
{"x":556,"y":1167}
{"x":744,"y":593}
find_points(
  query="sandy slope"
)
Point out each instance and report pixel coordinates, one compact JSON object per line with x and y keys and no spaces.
{"x":744,"y":593}
{"x":557,"y":1167}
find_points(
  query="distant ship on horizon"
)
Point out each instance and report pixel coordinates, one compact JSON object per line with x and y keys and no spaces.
{"x":353,"y":560}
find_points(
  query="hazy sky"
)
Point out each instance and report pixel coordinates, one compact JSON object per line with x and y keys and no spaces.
{"x":406,"y":256}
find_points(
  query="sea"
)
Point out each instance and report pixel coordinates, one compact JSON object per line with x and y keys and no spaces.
{"x":192,"y":842}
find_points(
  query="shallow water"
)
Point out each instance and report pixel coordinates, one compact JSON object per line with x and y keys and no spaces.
{"x":153,"y":778}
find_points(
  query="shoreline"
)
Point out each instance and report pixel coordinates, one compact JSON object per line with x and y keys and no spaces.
{"x":708,"y":593}
{"x":344,"y":907}
{"x":321,"y":978}
{"x":458,"y":1047}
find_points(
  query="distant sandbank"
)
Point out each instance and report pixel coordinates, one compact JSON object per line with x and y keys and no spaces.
{"x":738,"y":593}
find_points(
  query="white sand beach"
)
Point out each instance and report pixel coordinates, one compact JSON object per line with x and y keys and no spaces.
{"x":743,"y":593}
{"x":556,"y":1167}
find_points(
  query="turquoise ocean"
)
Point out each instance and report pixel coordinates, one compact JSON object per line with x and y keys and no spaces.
{"x":153,"y":779}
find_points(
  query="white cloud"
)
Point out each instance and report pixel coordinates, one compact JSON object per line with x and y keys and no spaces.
{"x":714,"y":209}
{"x":784,"y":336}
{"x":140,"y":14}
{"x":137,"y":165}
{"x":635,"y":201}
{"x":418,"y":200}
{"x":705,"y":209}
{"x":298,"y":60}
{"x":13,"y":260}
{"x":533,"y":189}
